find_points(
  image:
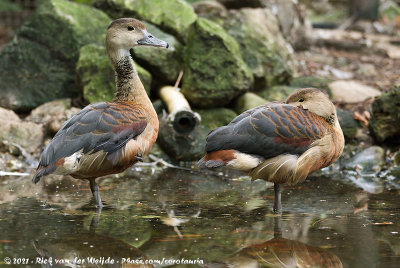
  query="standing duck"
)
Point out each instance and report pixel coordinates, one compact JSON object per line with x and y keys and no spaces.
{"x":108,"y":137}
{"x":279,"y":142}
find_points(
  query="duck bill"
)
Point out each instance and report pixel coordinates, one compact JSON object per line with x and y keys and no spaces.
{"x":150,"y":40}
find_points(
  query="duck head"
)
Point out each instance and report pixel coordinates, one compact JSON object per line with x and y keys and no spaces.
{"x":126,"y":33}
{"x":314,"y":100}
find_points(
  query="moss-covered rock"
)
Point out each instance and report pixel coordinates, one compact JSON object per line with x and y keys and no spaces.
{"x":312,"y":81}
{"x":96,"y":76}
{"x":248,"y":101}
{"x":38,"y":65}
{"x":174,"y":16}
{"x":163,"y":63}
{"x":216,"y":117}
{"x":262,"y":45}
{"x":215,"y":72}
{"x":385,"y":116}
{"x":277,"y":93}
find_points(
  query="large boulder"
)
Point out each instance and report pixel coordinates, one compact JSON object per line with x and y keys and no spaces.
{"x":165,"y":64}
{"x":96,"y":76}
{"x":38,"y":65}
{"x":262,"y":45}
{"x":385,"y":116}
{"x":174,"y":16}
{"x":215,"y":72}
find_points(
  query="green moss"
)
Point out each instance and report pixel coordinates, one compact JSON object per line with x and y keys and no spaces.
{"x":216,"y":117}
{"x":277,"y":93}
{"x":39,"y":64}
{"x":215,"y":72}
{"x":96,"y":76}
{"x":262,"y":45}
{"x":385,"y":117}
{"x":164,"y":63}
{"x":174,"y":16}
{"x":30,"y":76}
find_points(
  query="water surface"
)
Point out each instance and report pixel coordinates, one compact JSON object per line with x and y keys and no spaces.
{"x":212,"y":219}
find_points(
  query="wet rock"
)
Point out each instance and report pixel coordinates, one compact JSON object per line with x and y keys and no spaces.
{"x":215,"y":72}
{"x":385,"y":116}
{"x":312,"y":81}
{"x":348,"y":124}
{"x":165,"y":64}
{"x":52,"y":115}
{"x":38,"y":65}
{"x":262,"y":45}
{"x":369,"y":160}
{"x":96,"y":76}
{"x":26,"y":134}
{"x":351,"y":91}
{"x":277,"y":93}
{"x":174,"y":16}
{"x":248,"y":101}
{"x":216,"y":117}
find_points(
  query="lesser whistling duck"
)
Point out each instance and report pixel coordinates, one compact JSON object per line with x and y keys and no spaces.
{"x":279,"y":142}
{"x":108,"y":137}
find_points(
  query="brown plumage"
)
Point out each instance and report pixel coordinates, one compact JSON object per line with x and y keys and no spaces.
{"x":108,"y":137}
{"x":279,"y":142}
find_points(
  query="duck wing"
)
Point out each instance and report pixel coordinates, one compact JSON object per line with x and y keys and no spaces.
{"x":106,"y":126}
{"x":269,"y":130}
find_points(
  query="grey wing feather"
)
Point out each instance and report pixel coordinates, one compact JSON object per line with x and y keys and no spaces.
{"x":268,"y":130}
{"x":90,"y":132}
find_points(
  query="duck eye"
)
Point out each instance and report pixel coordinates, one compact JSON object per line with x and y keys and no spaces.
{"x":301,"y":100}
{"x":130,"y":28}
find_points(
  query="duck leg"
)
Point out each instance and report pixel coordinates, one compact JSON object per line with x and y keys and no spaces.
{"x":96,"y":193}
{"x":277,"y":200}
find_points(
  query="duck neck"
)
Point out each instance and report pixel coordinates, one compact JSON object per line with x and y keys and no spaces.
{"x":129,"y":86}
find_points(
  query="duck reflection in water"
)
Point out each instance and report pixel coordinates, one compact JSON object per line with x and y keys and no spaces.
{"x":280,"y":253}
{"x":88,"y":249}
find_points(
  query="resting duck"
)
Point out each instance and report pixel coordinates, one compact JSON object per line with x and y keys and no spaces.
{"x":279,"y":142}
{"x":108,"y":137}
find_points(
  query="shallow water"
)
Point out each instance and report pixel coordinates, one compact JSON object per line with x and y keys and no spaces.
{"x":214,"y":219}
